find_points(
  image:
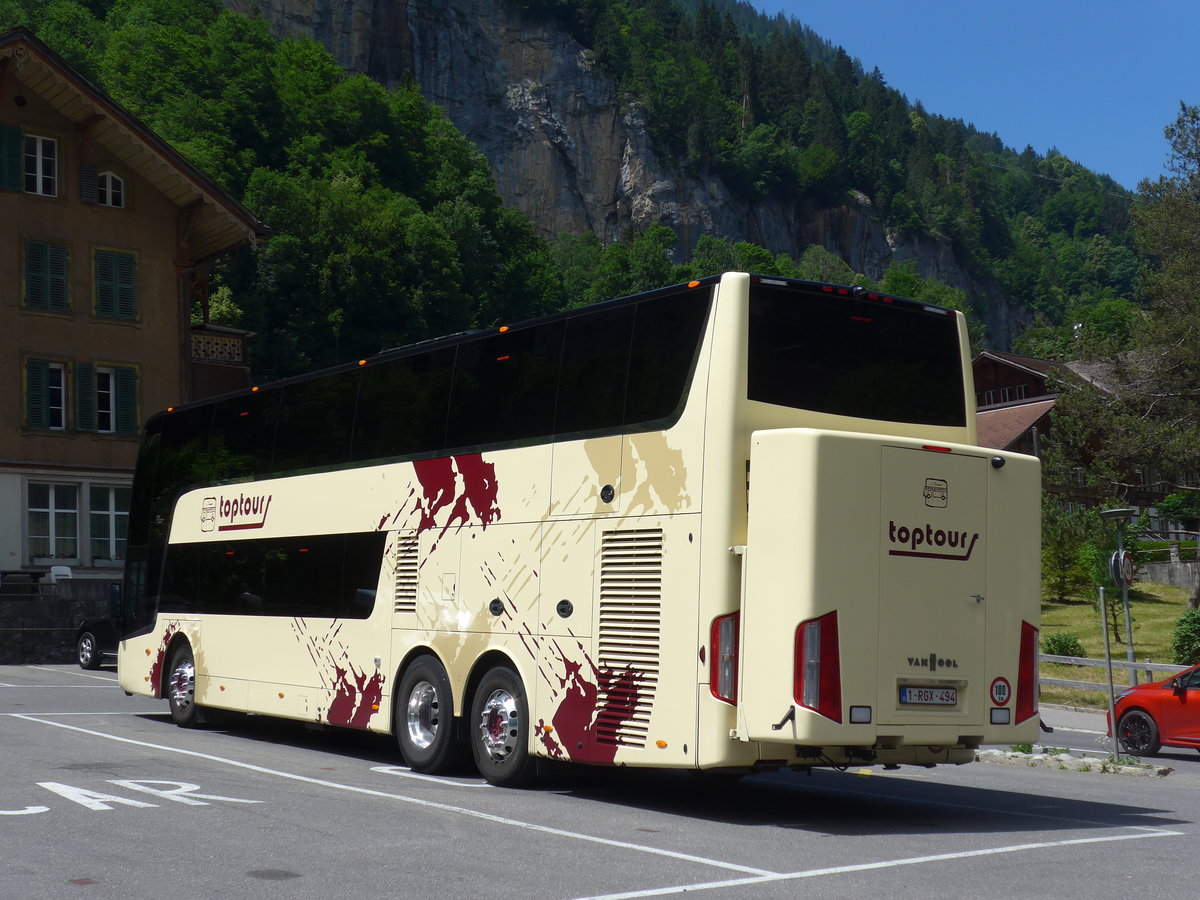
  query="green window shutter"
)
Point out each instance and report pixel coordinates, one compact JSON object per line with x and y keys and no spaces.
{"x":106,"y":285}
{"x":57,"y":277}
{"x":85,"y":397}
{"x":116,"y":285}
{"x":37,"y":393}
{"x":12,"y":166}
{"x":127,"y":401}
{"x":126,"y":286}
{"x":87,"y":184}
{"x":45,"y":276}
{"x":36,"y":289}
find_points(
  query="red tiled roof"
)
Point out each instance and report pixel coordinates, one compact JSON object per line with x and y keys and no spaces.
{"x":1000,"y":426}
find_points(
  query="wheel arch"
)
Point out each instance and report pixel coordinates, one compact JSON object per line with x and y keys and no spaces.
{"x":177,"y":640}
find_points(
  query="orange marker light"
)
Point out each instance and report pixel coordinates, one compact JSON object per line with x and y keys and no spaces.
{"x":693,"y":284}
{"x":661,"y":745}
{"x":503,"y":328}
{"x":254,"y":389}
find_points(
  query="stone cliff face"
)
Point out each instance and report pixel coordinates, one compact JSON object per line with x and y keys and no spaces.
{"x":571,"y":153}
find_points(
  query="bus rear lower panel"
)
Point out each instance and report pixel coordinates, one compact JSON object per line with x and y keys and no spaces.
{"x":891,"y":600}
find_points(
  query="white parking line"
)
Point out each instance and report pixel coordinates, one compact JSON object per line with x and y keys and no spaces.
{"x":757,"y":875}
{"x":866,"y":867}
{"x":111,"y":679}
{"x":430,"y":804}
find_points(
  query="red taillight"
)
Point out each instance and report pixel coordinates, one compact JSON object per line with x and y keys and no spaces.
{"x":723,"y":647}
{"x":818,"y":669}
{"x":1027,"y":674}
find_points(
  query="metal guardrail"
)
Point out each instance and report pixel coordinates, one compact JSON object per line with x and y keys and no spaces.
{"x":1132,"y":667}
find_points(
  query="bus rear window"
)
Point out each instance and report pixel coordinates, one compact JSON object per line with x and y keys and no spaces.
{"x":838,"y":354}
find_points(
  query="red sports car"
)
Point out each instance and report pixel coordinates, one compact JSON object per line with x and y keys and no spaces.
{"x":1160,"y":714}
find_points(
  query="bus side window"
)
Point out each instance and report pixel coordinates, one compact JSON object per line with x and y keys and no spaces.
{"x":504,"y":387}
{"x":595,"y":366}
{"x":402,"y":406}
{"x":243,"y":434}
{"x":666,"y":335}
{"x":315,"y":422}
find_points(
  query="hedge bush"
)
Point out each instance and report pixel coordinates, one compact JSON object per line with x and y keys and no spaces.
{"x":1063,"y":643}
{"x":1186,"y":642}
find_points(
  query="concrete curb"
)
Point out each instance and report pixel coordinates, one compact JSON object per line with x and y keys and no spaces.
{"x":1067,"y":762}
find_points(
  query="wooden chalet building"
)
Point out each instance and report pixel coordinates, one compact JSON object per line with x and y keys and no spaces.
{"x":106,"y":236}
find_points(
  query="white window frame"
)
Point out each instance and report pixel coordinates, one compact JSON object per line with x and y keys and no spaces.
{"x":41,"y":165}
{"x":110,"y":190}
{"x":57,"y":543}
{"x":116,"y":521}
{"x":106,"y":399}
{"x":56,"y":396}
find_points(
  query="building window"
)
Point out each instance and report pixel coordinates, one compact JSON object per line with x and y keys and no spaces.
{"x":105,"y":379}
{"x":41,"y":166}
{"x":110,"y":190}
{"x":116,"y":285}
{"x":108,"y":519}
{"x":53,"y":522}
{"x":1021,"y":391}
{"x":45,"y":394}
{"x":106,"y":399}
{"x":46,"y":276}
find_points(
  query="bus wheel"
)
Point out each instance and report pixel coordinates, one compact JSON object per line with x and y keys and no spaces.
{"x":180,"y":689}
{"x":500,"y":729}
{"x":424,"y":719}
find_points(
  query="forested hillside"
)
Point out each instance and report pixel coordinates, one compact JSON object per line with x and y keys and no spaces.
{"x":775,"y":109}
{"x":388,"y":226}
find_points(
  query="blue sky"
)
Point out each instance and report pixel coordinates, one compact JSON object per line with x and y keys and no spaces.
{"x":1097,"y":80}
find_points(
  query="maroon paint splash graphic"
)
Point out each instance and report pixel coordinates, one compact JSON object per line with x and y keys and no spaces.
{"x":161,"y":658}
{"x":354,"y":704}
{"x":464,"y":484}
{"x":356,"y":695}
{"x":591,"y":713}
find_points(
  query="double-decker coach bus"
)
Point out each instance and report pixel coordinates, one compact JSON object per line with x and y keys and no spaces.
{"x":740,"y":523}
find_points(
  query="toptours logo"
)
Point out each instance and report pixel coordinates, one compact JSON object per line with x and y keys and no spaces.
{"x":927,"y":542}
{"x":234,"y":513}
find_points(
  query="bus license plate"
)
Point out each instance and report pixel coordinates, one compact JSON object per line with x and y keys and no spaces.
{"x":929,"y":696}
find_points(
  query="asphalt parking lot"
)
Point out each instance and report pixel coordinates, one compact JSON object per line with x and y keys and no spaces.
{"x":103,"y":797}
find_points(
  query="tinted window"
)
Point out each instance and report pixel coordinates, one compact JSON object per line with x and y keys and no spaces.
{"x":595,"y":367}
{"x":666,"y":335}
{"x":320,"y":576}
{"x":243,"y":433}
{"x":837,"y":354}
{"x":402,"y":405}
{"x":505,"y":387}
{"x":316,"y":419}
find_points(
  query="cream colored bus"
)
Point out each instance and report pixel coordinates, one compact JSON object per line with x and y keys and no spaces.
{"x":737,"y":524}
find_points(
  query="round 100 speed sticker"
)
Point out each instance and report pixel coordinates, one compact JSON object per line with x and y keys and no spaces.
{"x":1001,"y":691}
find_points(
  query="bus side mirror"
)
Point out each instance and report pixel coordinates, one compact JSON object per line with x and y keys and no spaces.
{"x":114,"y":600}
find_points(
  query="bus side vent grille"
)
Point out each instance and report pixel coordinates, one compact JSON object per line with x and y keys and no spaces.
{"x":628,"y":637}
{"x":406,"y":573}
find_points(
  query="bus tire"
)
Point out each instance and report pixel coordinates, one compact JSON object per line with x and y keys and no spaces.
{"x":499,"y":727}
{"x":424,"y":719}
{"x":180,"y":688}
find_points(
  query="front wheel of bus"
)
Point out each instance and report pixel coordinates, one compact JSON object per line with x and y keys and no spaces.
{"x":180,"y":688}
{"x":499,"y":726}
{"x":425,"y":719}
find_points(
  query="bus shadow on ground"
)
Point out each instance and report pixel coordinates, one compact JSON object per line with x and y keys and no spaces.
{"x":825,"y":802}
{"x":846,"y":804}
